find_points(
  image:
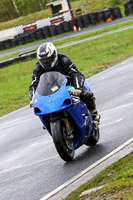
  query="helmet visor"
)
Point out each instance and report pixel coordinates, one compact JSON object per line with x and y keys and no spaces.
{"x":47,"y":61}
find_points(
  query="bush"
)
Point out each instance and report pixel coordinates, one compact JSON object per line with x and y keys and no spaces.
{"x":115,"y":2}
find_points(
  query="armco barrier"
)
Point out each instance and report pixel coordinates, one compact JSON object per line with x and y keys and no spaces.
{"x":22,"y":57}
{"x":65,"y":26}
{"x":6,"y":62}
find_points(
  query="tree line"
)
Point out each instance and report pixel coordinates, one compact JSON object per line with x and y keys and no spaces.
{"x":11,"y":9}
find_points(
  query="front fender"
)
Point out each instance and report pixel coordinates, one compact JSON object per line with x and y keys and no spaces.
{"x":55,"y":116}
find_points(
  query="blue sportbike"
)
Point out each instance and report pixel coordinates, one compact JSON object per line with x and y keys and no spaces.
{"x":64,"y":115}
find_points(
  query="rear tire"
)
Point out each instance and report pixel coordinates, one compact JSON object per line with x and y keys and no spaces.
{"x":93,"y":138}
{"x":64,"y":146}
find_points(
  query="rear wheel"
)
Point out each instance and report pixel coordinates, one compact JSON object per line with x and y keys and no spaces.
{"x":94,"y":137}
{"x":63,"y":143}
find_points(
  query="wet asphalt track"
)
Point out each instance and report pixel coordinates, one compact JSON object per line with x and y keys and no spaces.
{"x":30,"y":167}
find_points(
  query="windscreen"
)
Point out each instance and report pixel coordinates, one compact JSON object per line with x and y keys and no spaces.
{"x":50,"y":83}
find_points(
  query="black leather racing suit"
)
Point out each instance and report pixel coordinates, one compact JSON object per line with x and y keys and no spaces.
{"x":66,"y":67}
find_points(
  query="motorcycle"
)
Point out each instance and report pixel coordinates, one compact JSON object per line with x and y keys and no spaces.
{"x":64,"y":115}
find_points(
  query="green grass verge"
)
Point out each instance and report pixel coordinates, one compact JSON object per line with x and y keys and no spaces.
{"x":90,"y":57}
{"x":14,"y":83}
{"x":117,"y":180}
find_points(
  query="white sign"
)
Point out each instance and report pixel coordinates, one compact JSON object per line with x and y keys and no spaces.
{"x":65,"y":1}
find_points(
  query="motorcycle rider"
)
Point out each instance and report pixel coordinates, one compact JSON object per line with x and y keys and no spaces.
{"x":50,"y":60}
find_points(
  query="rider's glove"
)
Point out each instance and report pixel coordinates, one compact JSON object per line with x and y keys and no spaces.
{"x":76,"y":92}
{"x":31,"y":103}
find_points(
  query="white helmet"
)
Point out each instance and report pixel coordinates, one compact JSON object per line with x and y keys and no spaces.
{"x":47,"y":55}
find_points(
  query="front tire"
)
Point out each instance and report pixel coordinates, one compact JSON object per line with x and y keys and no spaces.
{"x":64,"y":145}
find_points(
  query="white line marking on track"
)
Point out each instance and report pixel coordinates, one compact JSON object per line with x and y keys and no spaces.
{"x":123,"y":77}
{"x":131,"y":93}
{"x":117,"y":121}
{"x":86,"y":170}
{"x":22,"y":166}
{"x":118,"y":107}
{"x":41,"y":143}
{"x":16,"y":122}
{"x":2,"y":136}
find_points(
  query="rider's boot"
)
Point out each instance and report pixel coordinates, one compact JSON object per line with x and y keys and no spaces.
{"x":89,"y":99}
{"x":96,"y":118}
{"x":95,"y":115}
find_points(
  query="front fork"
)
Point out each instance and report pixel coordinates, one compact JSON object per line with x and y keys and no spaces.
{"x":69,"y":129}
{"x":64,"y":117}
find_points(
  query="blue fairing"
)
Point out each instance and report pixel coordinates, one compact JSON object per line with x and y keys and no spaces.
{"x":54,"y":102}
{"x":58,"y":100}
{"x":81,"y":127}
{"x":87,"y":85}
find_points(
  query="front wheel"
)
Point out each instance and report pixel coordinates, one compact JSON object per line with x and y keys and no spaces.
{"x":64,"y":144}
